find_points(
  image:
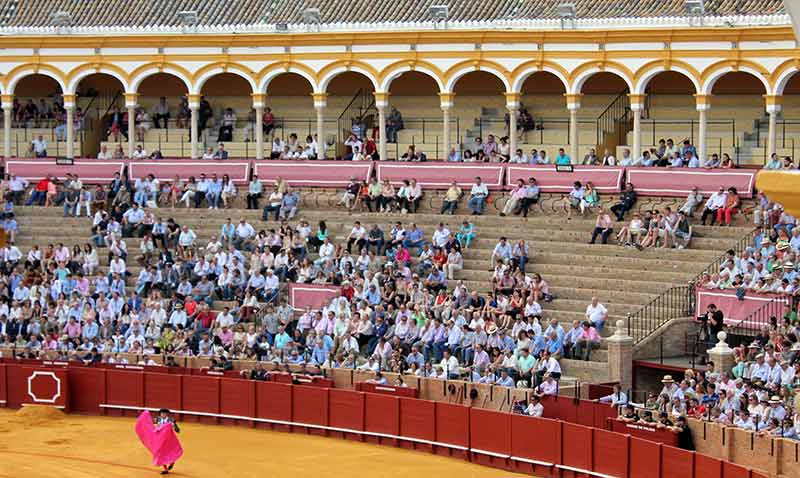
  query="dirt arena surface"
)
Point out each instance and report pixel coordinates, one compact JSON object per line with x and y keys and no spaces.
{"x":40,"y":442}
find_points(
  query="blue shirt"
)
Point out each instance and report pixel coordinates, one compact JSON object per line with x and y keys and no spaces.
{"x":214,"y":187}
{"x":281,"y":340}
{"x":415,"y":235}
{"x":563,"y":159}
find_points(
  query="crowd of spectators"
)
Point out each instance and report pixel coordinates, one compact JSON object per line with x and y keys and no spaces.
{"x":167,"y":290}
{"x":768,"y":264}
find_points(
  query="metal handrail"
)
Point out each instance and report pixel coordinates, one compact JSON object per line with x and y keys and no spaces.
{"x":750,"y":325}
{"x":677,"y":301}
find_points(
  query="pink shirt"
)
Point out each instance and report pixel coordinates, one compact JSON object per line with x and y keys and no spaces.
{"x":589,"y":334}
{"x":73,"y":329}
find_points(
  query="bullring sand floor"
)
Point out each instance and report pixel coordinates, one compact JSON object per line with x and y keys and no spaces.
{"x":41,"y":442}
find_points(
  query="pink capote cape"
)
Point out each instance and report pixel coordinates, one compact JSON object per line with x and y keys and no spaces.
{"x":161,"y":440}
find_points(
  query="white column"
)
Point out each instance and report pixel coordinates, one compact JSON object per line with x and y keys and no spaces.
{"x":446,"y":102}
{"x":8,"y":106}
{"x":69,"y":105}
{"x":773,"y":109}
{"x":194,"y":106}
{"x":320,"y":102}
{"x":131,"y":101}
{"x":381,"y":102}
{"x":573,"y":105}
{"x":637,"y":106}
{"x":258,"y":129}
{"x":703,"y":105}
{"x":512,"y":104}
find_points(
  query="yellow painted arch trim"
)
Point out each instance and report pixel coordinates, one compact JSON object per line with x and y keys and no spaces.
{"x":667,"y":65}
{"x":97,"y":68}
{"x":601,"y":66}
{"x":403,"y":66}
{"x":541,"y":66}
{"x":14,"y":76}
{"x":162,"y":67}
{"x":735,"y":65}
{"x":326,"y":73}
{"x":286,"y":67}
{"x":231,"y":67}
{"x":455,"y":72}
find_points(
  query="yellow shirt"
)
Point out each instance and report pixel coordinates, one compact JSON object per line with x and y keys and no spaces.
{"x":453,"y":194}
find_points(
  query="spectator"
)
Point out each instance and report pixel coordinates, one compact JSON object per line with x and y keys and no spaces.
{"x":477,"y":198}
{"x":626,"y":201}
{"x":39,"y":146}
{"x":603,"y":227}
{"x":715,"y":202}
{"x":596,"y":314}
{"x":160,"y":112}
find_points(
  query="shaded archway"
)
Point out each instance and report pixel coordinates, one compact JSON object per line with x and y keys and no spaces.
{"x":603,"y":106}
{"x":291,"y":104}
{"x":415,"y":116}
{"x":171,"y":135}
{"x":737,"y":103}
{"x":226,"y":113}
{"x":542,"y":117}
{"x":38,"y":111}
{"x":670,"y":111}
{"x":100,"y":100}
{"x":479,"y":92}
{"x":787,"y":128}
{"x":351,"y":100}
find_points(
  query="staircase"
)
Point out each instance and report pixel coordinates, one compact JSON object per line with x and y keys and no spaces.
{"x":614,"y":123}
{"x":360,"y":110}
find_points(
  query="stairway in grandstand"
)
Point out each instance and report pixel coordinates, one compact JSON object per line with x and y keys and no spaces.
{"x":624,"y":279}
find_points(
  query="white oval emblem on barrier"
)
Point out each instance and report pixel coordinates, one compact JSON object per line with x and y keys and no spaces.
{"x":52,"y":376}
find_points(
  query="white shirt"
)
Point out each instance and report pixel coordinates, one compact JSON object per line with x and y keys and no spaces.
{"x":717,"y":200}
{"x":440,"y":236}
{"x":140,"y":154}
{"x":479,"y":190}
{"x":535,"y":410}
{"x":596,"y":313}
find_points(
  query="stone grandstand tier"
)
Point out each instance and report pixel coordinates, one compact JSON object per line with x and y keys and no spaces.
{"x":160,"y":13}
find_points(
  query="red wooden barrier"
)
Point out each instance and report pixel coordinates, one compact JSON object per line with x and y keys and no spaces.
{"x":89,"y":385}
{"x":382,"y":414}
{"x":167,"y":169}
{"x":200,"y":393}
{"x":645,"y":459}
{"x":274,"y":401}
{"x":499,"y":440}
{"x":576,"y":446}
{"x":707,"y":467}
{"x":321,"y":174}
{"x":610,"y":453}
{"x":676,"y":463}
{"x":452,"y":424}
{"x":538,"y":446}
{"x":679,"y":182}
{"x":3,"y":386}
{"x":527,"y":430}
{"x":124,"y":388}
{"x":162,"y":390}
{"x":237,"y":397}
{"x":310,"y":405}
{"x":646,"y":432}
{"x":314,"y":296}
{"x":729,"y":470}
{"x":441,"y":175}
{"x":735,"y":309}
{"x":346,"y":409}
{"x":88,"y":170}
{"x":387,"y":390}
{"x":560,"y":408}
{"x":606,"y":180}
